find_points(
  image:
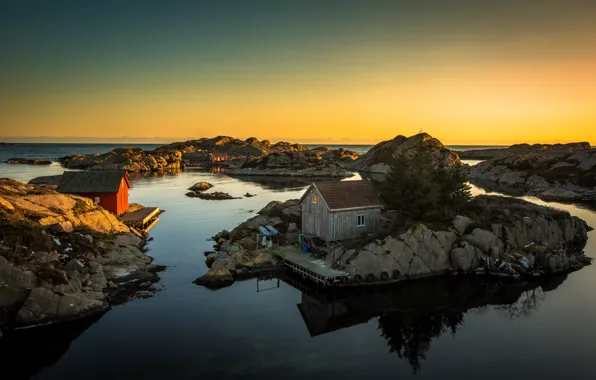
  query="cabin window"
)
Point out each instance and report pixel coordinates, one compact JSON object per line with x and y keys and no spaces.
{"x":361,"y":220}
{"x":315,"y":198}
{"x":97,"y":199}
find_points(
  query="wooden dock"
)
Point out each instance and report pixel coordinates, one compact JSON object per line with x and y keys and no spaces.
{"x":143,"y":219}
{"x":309,"y":267}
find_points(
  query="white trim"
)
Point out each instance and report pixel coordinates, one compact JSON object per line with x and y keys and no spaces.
{"x":363,"y":216}
{"x":354,"y":208}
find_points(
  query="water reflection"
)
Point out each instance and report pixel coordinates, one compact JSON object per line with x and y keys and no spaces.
{"x":38,"y":347}
{"x":413,"y":314}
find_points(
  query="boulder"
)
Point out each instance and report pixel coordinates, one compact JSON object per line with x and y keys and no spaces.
{"x":200,"y":186}
{"x":216,"y":278}
{"x":461,"y":223}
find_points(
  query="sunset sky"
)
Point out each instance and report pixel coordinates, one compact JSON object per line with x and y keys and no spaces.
{"x":467,"y":72}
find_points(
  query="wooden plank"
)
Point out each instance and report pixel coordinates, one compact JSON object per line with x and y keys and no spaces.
{"x":140,"y":216}
{"x":313,"y":267}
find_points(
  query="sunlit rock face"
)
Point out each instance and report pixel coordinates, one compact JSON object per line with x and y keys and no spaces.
{"x":378,"y":159}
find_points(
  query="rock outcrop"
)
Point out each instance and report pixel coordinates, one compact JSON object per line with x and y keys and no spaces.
{"x":50,"y":180}
{"x":134,"y":160}
{"x":501,"y":236}
{"x":558,"y":172}
{"x":493,"y":235}
{"x":305,"y":163}
{"x":487,"y":154}
{"x":235,"y":148}
{"x":29,"y":161}
{"x":378,"y":159}
{"x":236,"y":252}
{"x":61,"y":256}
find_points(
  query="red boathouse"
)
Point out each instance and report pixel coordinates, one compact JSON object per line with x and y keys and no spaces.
{"x":218,"y":157}
{"x":108,"y":188}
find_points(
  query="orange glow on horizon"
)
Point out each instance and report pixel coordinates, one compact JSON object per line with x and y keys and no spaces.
{"x":492,"y":104}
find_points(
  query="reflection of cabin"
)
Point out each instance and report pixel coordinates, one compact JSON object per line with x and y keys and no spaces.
{"x":337,"y":210}
{"x":218,"y":157}
{"x":324,"y":317}
{"x":108,"y":188}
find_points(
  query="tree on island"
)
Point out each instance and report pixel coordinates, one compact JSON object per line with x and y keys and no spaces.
{"x":416,"y":187}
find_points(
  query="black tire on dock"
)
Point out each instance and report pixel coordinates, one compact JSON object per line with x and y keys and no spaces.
{"x":384,"y":276}
{"x":370,"y":277}
{"x":358,"y":278}
{"x":396,"y":273}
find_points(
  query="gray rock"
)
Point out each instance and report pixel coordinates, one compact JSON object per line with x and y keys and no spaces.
{"x":16,"y":278}
{"x":74,"y":265}
{"x":487,"y":241}
{"x":461,"y":223}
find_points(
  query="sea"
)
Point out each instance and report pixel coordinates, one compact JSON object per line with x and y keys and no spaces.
{"x":281,"y":328}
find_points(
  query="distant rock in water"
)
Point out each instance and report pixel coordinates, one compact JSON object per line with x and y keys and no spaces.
{"x":129,"y":159}
{"x":235,"y":148}
{"x":553,"y":172}
{"x":378,"y":158}
{"x":307,"y":163}
{"x":487,"y":154}
{"x":29,"y":161}
{"x":200,"y":186}
{"x":214,"y":196}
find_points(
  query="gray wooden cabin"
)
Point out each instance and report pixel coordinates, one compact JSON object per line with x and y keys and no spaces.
{"x":338,"y":210}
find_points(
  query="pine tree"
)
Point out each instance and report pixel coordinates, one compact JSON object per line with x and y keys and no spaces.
{"x":415,"y":187}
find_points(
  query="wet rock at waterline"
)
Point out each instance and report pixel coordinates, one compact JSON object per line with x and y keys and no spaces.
{"x":216,"y":195}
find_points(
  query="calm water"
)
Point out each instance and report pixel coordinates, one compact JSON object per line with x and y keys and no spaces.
{"x":446,"y":328}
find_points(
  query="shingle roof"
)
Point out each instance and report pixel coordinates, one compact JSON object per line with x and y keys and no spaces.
{"x":348,"y":194}
{"x":94,"y":181}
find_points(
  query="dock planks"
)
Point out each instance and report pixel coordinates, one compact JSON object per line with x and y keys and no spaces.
{"x":144,"y":218}
{"x":314,"y":269}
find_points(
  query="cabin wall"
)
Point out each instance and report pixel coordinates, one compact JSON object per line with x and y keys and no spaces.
{"x":346,"y":222}
{"x":109,"y":201}
{"x":315,"y":216}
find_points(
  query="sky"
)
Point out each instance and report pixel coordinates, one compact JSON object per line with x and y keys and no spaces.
{"x":325,"y":71}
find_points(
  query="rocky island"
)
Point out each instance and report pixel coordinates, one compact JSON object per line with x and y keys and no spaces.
{"x":319,"y":162}
{"x":243,"y":157}
{"x":562,"y":172}
{"x":29,"y":161}
{"x":379,"y":158}
{"x":63,"y":257}
{"x":492,"y":235}
{"x":487,"y":154}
